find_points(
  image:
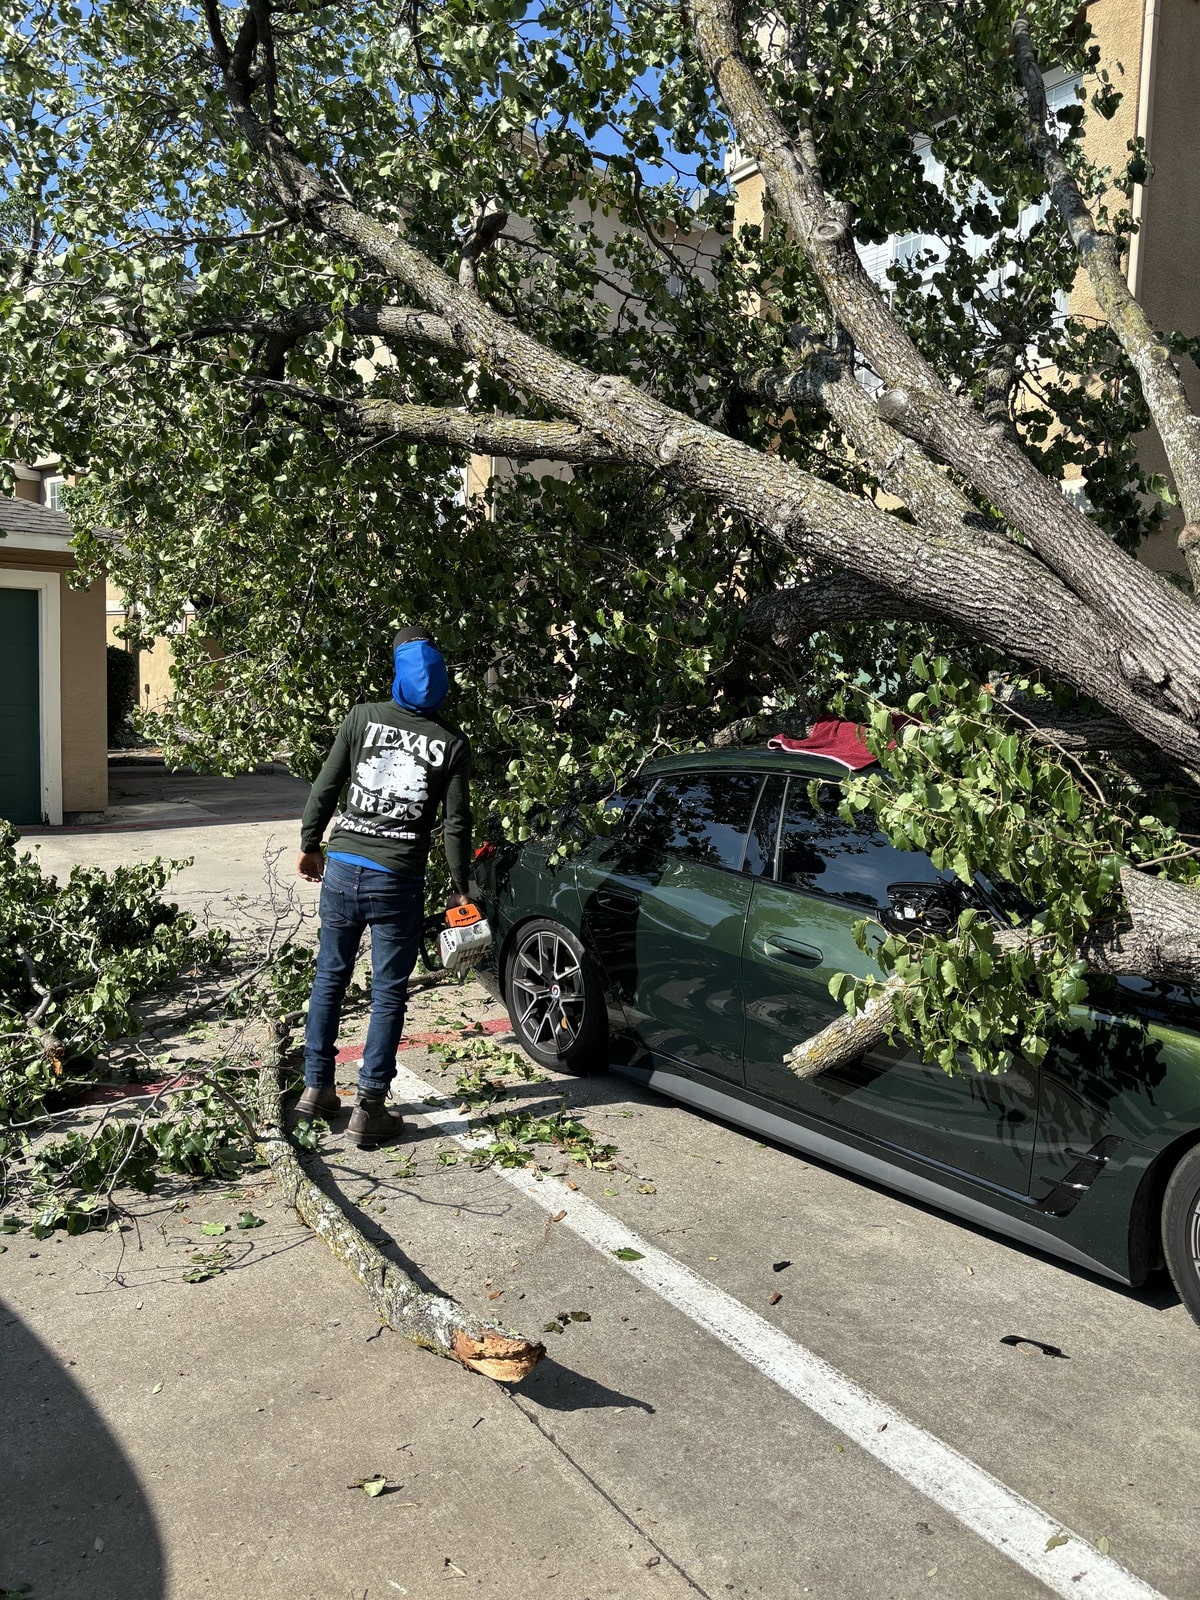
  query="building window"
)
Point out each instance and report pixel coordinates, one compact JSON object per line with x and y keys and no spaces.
{"x":925,"y":253}
{"x":52,"y":489}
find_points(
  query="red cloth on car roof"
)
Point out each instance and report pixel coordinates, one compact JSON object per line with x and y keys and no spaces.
{"x":830,"y":736}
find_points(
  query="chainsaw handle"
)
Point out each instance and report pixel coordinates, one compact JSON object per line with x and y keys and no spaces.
{"x":430,"y":929}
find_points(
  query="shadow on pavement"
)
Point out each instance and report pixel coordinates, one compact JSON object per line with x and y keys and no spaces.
{"x":556,"y":1388}
{"x":74,"y":1519}
{"x":144,"y":794}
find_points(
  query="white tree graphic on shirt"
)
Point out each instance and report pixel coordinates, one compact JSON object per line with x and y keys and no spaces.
{"x":399,"y":780}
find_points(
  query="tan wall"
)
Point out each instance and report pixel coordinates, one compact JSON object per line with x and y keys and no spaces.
{"x":1163,"y":255}
{"x":84,"y":699}
{"x":748,"y":201}
{"x":1171,"y":223}
{"x":1117,"y":28}
{"x":154,"y":687}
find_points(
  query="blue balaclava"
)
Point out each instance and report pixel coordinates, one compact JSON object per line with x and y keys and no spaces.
{"x":421,"y":680}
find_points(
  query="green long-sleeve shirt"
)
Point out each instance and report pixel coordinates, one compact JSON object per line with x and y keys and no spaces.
{"x":392,"y":769}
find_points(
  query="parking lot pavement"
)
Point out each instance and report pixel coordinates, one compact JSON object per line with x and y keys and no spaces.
{"x":649,"y":1454}
{"x":240,"y":844}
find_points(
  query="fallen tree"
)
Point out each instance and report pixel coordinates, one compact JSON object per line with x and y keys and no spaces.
{"x":379,"y":239}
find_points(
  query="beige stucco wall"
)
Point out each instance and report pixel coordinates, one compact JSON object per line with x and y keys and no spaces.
{"x":1171,"y":221}
{"x":84,"y":698}
{"x":155,"y":690}
{"x":1165,"y":264}
{"x":154,"y":686}
{"x":1117,"y":29}
{"x":1157,"y":70}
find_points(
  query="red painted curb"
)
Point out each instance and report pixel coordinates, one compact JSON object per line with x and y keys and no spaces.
{"x":105,"y":1092}
{"x":418,"y":1041}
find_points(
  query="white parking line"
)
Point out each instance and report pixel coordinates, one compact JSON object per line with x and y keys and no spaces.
{"x":1020,"y":1530}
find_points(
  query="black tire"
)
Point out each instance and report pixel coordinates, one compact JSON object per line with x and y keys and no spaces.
{"x":1181,"y":1230}
{"x":555,"y":1000}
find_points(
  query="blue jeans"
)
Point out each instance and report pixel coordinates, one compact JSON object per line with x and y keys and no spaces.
{"x":354,"y":898}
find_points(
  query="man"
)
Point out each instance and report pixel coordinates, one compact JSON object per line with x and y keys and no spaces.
{"x":397,"y":761}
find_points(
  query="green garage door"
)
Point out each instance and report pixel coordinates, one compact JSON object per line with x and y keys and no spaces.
{"x":20,"y":707}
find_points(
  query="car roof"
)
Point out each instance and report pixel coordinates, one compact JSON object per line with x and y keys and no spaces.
{"x":751,"y":758}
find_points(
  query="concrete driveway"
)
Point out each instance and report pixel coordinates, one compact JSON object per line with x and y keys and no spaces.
{"x":851,"y":1423}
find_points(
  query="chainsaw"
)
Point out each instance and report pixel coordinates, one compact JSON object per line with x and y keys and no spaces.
{"x":463,"y":935}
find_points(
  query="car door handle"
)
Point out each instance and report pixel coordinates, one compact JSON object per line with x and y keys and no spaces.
{"x":794,"y":951}
{"x":614,"y":901}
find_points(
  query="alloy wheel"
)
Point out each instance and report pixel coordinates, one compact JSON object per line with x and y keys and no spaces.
{"x":547,"y":991}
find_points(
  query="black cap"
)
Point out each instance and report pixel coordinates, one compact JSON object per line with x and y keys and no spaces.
{"x":408,"y":635}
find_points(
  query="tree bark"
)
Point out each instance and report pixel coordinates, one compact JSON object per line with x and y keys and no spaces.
{"x":429,"y":1320}
{"x":846,"y":1038}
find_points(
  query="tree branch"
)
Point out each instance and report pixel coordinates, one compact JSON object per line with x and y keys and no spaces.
{"x":429,"y":1320}
{"x":397,"y":324}
{"x":515,"y":438}
{"x":1160,"y":941}
{"x":1142,"y":604}
{"x":846,"y":1038}
{"x":489,"y":224}
{"x":1000,"y":380}
{"x":1162,"y":387}
{"x":825,"y":377}
{"x":788,"y":618}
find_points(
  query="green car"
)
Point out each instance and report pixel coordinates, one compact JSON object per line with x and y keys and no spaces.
{"x":692,"y":947}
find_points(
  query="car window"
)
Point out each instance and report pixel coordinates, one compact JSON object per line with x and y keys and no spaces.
{"x":620,"y":808}
{"x":764,"y":831}
{"x":852,"y":862}
{"x":703,"y":816}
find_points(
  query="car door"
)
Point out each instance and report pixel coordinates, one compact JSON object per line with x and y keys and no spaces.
{"x":827,"y":875}
{"x":664,"y":906}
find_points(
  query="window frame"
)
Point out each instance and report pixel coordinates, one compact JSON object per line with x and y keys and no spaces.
{"x":786,"y":778}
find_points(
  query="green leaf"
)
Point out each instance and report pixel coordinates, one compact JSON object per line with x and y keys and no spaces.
{"x":249,"y":1220}
{"x":627,"y":1253}
{"x":214,"y":1229}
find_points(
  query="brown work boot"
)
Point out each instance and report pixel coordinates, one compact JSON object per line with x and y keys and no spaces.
{"x":372,"y":1123}
{"x":319,"y":1103}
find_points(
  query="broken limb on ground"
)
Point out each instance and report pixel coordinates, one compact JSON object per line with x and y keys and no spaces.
{"x":432,"y":1321}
